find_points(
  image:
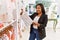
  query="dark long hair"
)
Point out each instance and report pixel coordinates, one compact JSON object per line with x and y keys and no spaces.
{"x":42,"y":7}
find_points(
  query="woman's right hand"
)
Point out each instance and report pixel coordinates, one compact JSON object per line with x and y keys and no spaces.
{"x":21,"y":12}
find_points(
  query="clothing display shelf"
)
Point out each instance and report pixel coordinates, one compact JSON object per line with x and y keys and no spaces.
{"x":5,"y":26}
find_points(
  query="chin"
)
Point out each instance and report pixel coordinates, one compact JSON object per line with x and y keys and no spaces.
{"x":38,"y":12}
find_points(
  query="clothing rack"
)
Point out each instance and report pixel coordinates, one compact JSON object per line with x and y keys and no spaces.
{"x":3,"y":28}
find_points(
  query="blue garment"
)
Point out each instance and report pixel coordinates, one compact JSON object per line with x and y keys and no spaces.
{"x":34,"y":34}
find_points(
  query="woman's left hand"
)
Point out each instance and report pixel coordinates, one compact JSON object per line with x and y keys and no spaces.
{"x":36,"y":24}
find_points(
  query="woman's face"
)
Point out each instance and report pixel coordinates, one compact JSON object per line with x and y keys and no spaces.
{"x":38,"y":9}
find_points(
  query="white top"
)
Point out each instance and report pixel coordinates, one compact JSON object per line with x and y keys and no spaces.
{"x":36,"y":20}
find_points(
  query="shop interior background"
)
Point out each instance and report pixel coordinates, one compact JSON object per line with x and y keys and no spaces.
{"x":52,"y":10}
{"x":10,"y":16}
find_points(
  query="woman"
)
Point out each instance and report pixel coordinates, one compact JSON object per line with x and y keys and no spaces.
{"x":39,"y":23}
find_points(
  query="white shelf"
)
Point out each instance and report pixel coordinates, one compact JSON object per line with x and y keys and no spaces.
{"x":5,"y":26}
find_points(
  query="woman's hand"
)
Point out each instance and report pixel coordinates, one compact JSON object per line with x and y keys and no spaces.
{"x":37,"y":24}
{"x":21,"y":12}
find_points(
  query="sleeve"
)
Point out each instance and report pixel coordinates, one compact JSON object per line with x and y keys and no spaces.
{"x":31,"y":16}
{"x":45,"y":22}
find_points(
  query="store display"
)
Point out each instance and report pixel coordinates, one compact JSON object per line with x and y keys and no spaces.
{"x":3,"y":17}
{"x":7,"y":16}
{"x":1,"y":25}
{"x":19,"y":31}
{"x":8,"y":33}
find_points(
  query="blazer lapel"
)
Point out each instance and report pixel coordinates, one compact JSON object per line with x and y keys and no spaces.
{"x":40,"y":19}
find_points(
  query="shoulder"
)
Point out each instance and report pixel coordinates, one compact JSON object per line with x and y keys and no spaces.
{"x":31,"y":16}
{"x":34,"y":14}
{"x":44,"y":15}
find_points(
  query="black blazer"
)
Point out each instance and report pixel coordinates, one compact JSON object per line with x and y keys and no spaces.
{"x":42,"y":21}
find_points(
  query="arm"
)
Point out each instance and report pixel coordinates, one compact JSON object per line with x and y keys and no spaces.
{"x":31,"y":16}
{"x":45,"y":22}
